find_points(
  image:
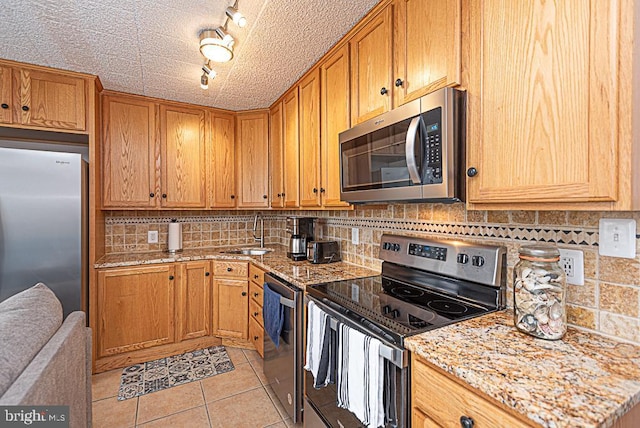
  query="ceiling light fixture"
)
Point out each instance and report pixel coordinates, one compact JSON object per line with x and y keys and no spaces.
{"x":236,"y":17}
{"x":217,"y":45}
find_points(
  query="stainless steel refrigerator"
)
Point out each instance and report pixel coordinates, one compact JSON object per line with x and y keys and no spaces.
{"x":43,"y":225}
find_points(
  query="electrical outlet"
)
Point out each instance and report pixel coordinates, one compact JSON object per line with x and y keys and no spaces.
{"x":355,"y":235}
{"x":152,"y":237}
{"x":572,"y":261}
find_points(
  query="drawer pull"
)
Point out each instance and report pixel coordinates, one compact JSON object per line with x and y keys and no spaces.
{"x":5,"y":106}
{"x":256,"y":294}
{"x":244,"y":293}
{"x":255,"y":337}
{"x":207,"y":274}
{"x":25,"y":108}
{"x":472,"y":172}
{"x":229,"y":269}
{"x":466,"y":422}
{"x":255,"y":314}
{"x":255,"y":276}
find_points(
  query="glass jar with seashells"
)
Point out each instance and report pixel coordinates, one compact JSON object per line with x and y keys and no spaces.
{"x":539,"y":292}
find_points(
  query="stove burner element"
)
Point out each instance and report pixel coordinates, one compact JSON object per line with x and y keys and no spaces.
{"x":447,"y":307}
{"x":403,"y":291}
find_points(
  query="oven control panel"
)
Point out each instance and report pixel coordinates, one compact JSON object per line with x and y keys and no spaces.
{"x":428,"y":251}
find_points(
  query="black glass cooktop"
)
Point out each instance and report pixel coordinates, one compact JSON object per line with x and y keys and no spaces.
{"x":400,"y":309}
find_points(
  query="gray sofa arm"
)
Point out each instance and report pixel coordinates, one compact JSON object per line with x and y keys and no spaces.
{"x":59,"y":374}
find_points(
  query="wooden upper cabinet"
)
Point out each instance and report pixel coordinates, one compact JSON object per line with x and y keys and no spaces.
{"x":543,"y":101}
{"x":426,"y":37}
{"x":253,"y":159}
{"x":130,"y":158}
{"x":50,"y":100}
{"x":6,"y":100}
{"x":194,"y":300}
{"x":135,"y":308}
{"x":183,"y":142}
{"x":276,"y":155}
{"x":223,"y":159}
{"x":334,"y":102}
{"x":309,"y":116}
{"x":291,"y":122}
{"x":371,"y":68}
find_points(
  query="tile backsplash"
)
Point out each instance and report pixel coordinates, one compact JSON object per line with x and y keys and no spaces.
{"x":608,"y":302}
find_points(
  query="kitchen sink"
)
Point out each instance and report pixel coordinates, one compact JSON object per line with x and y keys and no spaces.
{"x":249,"y":251}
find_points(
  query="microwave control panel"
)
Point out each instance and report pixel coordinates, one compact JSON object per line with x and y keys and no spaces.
{"x":432,"y":143}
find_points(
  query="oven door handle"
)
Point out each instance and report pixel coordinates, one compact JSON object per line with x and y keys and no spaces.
{"x":287,"y":302}
{"x":410,"y":149}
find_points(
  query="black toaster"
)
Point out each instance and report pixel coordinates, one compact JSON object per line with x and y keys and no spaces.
{"x":323,"y":251}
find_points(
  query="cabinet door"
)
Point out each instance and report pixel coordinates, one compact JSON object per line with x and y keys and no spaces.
{"x":334,"y":101}
{"x":291,"y":149}
{"x":182,"y":139}
{"x":276,"y":155}
{"x":6,"y":101}
{"x":371,"y":58}
{"x":194,"y":300}
{"x":223,"y":161}
{"x":253,"y":159}
{"x":135,"y":308}
{"x":426,"y":47}
{"x":256,"y":335}
{"x":231,"y":308}
{"x":310,"y":140}
{"x":130,"y":153}
{"x":51,"y":100}
{"x":543,"y":111}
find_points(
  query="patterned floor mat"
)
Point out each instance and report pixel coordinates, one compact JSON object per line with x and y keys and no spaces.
{"x":163,"y":373}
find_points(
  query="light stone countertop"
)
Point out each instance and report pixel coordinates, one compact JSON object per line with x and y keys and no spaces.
{"x":300,"y":274}
{"x":582,"y":380}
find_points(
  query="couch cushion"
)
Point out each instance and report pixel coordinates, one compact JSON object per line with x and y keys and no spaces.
{"x":27,"y":321}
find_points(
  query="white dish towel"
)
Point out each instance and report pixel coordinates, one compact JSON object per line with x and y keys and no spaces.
{"x":318,"y":345}
{"x":360,"y":376}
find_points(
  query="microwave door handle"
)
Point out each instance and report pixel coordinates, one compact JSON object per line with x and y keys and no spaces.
{"x":410,"y":147}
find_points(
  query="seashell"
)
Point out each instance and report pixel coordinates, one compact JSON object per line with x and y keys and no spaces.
{"x":529,"y":284}
{"x":526,"y":272}
{"x":528,"y":323}
{"x":541,"y":272}
{"x":555,"y":325}
{"x":518,"y":285}
{"x":542,"y":318}
{"x":555,"y":311}
{"x":544,"y":279}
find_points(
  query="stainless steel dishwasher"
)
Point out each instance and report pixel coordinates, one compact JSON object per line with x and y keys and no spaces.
{"x":283,"y":364}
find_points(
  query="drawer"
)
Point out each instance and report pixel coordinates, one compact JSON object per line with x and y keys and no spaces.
{"x":256,"y":335}
{"x":255,"y":292}
{"x":256,"y":275}
{"x":438,"y":400}
{"x":230,"y":269}
{"x":255,"y":311}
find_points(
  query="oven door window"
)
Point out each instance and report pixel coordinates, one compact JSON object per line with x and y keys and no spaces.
{"x":384,"y":158}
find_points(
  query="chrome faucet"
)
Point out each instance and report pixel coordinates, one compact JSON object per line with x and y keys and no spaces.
{"x":255,"y":225}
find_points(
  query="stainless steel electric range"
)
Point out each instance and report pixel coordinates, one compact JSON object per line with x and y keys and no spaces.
{"x":425,"y":284}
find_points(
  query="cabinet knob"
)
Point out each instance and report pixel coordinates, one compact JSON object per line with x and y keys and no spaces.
{"x":472,"y":172}
{"x":229,"y":269}
{"x":244,"y":293}
{"x":170,"y":277}
{"x":207,"y":274}
{"x":264,"y":196}
{"x":255,"y":314}
{"x":255,"y":276}
{"x":164,"y":195}
{"x":25,"y":108}
{"x":233,"y":196}
{"x":399,"y":83}
{"x":283,"y":194}
{"x":383,"y":91}
{"x":5,"y":106}
{"x":279,"y":195}
{"x":255,"y":337}
{"x":151,"y":195}
{"x":322,"y":190}
{"x":315,"y":190}
{"x":466,"y":422}
{"x":256,"y":294}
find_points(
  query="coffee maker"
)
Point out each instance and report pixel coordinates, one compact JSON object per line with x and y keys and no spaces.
{"x":301,"y":231}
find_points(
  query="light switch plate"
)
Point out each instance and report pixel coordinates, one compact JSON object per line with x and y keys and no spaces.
{"x":617,"y":238}
{"x":152,"y":237}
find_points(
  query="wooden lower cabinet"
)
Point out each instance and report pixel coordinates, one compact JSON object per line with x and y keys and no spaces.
{"x":135,"y":308}
{"x":256,"y":322}
{"x":256,"y":334}
{"x":439,"y":401}
{"x":231,"y":308}
{"x":194,"y":300}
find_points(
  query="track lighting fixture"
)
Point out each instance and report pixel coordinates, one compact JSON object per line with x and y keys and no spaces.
{"x":207,"y":73}
{"x":236,"y":17}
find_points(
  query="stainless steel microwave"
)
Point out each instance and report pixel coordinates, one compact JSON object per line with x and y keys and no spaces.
{"x":415,"y":152}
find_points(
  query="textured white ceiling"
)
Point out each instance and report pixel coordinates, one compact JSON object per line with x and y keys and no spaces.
{"x":150,"y":47}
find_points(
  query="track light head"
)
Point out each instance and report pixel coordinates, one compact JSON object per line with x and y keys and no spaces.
{"x":236,"y":17}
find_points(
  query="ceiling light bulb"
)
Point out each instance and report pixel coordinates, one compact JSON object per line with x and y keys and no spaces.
{"x":213,"y":47}
{"x":236,"y":17}
{"x":204,"y":81}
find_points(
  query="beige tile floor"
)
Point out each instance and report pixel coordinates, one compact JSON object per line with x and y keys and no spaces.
{"x":240,"y":399}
